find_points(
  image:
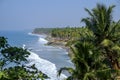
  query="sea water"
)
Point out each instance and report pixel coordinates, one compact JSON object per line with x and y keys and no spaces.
{"x":47,"y":59}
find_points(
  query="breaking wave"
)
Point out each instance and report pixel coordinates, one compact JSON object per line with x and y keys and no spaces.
{"x":43,"y":65}
{"x":42,"y":40}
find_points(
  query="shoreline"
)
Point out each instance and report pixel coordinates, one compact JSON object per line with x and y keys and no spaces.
{"x":57,"y":68}
{"x":56,"y":43}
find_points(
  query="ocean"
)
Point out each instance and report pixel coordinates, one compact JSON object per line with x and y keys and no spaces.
{"x":47,"y":59}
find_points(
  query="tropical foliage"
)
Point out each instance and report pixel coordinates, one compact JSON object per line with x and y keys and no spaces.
{"x":68,"y":33}
{"x":96,"y":55}
{"x":106,"y":32}
{"x":42,"y":31}
{"x":12,"y":64}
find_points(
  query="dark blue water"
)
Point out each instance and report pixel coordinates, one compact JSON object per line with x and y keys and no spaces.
{"x":50,"y":57}
{"x":18,"y":38}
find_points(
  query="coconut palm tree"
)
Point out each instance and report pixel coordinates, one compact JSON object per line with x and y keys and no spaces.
{"x":89,"y":64}
{"x":82,"y":62}
{"x":105,"y":30}
{"x":96,"y":56}
{"x":99,"y":21}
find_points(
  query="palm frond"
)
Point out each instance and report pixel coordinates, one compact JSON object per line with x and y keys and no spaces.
{"x":90,"y":13}
{"x":68,"y":69}
{"x":114,"y":28}
{"x":106,"y":73}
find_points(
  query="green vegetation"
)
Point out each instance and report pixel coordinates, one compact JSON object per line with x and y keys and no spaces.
{"x":66,"y":33}
{"x":62,"y":36}
{"x":69,"y":34}
{"x":42,"y":31}
{"x":96,"y":55}
{"x":95,"y":50}
{"x":12,"y":60}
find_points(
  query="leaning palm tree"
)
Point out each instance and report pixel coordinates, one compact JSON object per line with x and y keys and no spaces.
{"x":82,"y":61}
{"x":89,"y":64}
{"x":106,"y":30}
{"x":99,"y":21}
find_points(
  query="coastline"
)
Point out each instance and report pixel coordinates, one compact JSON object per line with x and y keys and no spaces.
{"x":55,"y":42}
{"x":58,"y":43}
{"x":50,"y":62}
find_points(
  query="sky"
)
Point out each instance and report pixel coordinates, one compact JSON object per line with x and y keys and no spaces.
{"x":30,"y":14}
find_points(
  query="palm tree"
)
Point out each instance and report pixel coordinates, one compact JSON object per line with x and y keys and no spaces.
{"x":99,"y":21}
{"x":105,"y":30}
{"x":96,"y":55}
{"x":81,"y":60}
{"x":89,"y":64}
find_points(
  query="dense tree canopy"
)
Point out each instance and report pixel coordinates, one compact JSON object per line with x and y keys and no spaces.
{"x":67,"y":33}
{"x":42,"y":31}
{"x":12,"y":64}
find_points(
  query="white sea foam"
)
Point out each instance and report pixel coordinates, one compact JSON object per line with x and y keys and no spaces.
{"x":66,"y":52}
{"x":69,"y":61}
{"x":42,"y":40}
{"x":33,"y":34}
{"x":45,"y":66}
{"x":23,"y":46}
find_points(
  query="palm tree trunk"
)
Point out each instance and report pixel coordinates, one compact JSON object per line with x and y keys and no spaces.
{"x":116,"y":66}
